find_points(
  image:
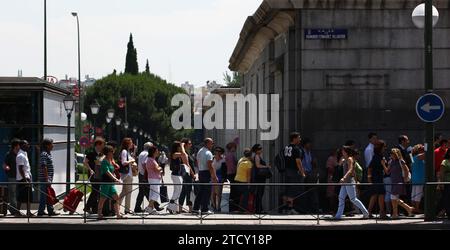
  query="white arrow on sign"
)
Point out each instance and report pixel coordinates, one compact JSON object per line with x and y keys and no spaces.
{"x":428,"y":108}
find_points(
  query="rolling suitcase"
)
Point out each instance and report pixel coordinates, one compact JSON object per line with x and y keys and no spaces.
{"x":3,"y":200}
{"x":72,"y":200}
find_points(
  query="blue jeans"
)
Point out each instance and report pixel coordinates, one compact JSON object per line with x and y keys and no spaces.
{"x":349,"y":190}
{"x":43,"y":200}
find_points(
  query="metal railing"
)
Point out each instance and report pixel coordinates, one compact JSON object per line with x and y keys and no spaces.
{"x":270,"y":214}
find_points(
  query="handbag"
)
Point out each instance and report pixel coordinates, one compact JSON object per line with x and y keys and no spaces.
{"x":51,"y":196}
{"x":134,"y":169}
{"x":264,"y":172}
{"x":163,"y":192}
{"x":405,"y":172}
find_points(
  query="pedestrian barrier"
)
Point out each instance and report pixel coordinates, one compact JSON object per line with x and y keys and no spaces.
{"x":308,"y":189}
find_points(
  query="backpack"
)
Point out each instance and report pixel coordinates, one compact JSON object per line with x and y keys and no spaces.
{"x":358,"y":172}
{"x":280,"y":162}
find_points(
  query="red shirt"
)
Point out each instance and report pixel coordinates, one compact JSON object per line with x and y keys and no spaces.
{"x":439,"y":154}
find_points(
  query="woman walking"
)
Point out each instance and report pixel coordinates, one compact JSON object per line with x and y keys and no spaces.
{"x":218,"y":164}
{"x":445,"y":177}
{"x":262,"y":172}
{"x":127,"y":163}
{"x":377,"y":169}
{"x":348,"y":164}
{"x":178,"y":160}
{"x":188,"y":178}
{"x":417,"y":175}
{"x":399,"y":170}
{"x":108,"y":190}
{"x":154,"y":178}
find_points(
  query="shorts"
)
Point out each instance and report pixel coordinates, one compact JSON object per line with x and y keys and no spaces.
{"x":417,"y":193}
{"x":24,"y":193}
{"x":395,"y":196}
{"x":292,"y":176}
{"x":154,"y":189}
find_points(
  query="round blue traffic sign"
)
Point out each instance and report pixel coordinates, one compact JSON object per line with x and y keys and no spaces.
{"x":430,"y":107}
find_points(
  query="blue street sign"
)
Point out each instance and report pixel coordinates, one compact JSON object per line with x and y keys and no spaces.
{"x":430,"y":107}
{"x":326,"y":34}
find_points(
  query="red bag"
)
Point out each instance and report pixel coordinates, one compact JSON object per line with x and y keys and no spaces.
{"x":51,"y":196}
{"x":72,"y":200}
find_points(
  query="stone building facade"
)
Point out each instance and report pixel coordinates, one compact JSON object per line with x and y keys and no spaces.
{"x":342,"y":68}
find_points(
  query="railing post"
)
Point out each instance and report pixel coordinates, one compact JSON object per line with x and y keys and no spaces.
{"x":84,"y":200}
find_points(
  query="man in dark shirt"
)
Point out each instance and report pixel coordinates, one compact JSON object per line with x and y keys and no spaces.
{"x":92,"y":163}
{"x":295,"y":172}
{"x":403,"y":143}
{"x":9,"y":166}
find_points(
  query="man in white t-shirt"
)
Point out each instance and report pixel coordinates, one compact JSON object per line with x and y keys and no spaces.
{"x":368,"y":152}
{"x":144,"y":190}
{"x":206,"y":174}
{"x":23,"y":175}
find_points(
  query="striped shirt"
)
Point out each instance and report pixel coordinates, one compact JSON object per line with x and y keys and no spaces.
{"x":46,"y":160}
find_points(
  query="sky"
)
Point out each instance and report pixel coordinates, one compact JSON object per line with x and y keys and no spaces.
{"x":183,"y":40}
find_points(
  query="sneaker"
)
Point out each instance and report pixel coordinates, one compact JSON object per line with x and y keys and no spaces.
{"x":209,"y":212}
{"x":53,"y":214}
{"x":138,"y":210}
{"x":148,"y":210}
{"x":42,"y":214}
{"x":292,"y":212}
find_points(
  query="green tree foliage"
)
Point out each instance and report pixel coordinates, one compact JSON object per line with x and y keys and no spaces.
{"x":233,"y":80}
{"x":131,"y":64}
{"x":148,"y":101}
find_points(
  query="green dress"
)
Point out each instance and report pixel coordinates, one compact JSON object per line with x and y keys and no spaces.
{"x":107,"y":190}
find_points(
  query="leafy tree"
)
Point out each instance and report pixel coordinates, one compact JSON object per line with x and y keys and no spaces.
{"x":131,"y":64}
{"x":148,"y":103}
{"x":234,"y":80}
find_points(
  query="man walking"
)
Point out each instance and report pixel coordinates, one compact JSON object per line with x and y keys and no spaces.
{"x":23,"y":176}
{"x":207,"y":174}
{"x":295,"y":173}
{"x":144,"y":190}
{"x":9,"y":166}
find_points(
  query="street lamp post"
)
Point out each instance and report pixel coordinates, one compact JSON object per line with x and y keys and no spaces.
{"x":45,"y":40}
{"x":426,"y":16}
{"x":69,"y":102}
{"x":110,"y":116}
{"x":75,"y":14}
{"x":118,"y":122}
{"x":108,"y":122}
{"x":136,"y":139}
{"x":95,"y":108}
{"x":125,"y":126}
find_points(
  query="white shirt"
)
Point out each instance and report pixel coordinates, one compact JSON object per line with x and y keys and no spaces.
{"x":203,"y":156}
{"x":123,"y":158}
{"x":368,"y":154}
{"x":142,"y":161}
{"x":217,"y":164}
{"x":22,"y":160}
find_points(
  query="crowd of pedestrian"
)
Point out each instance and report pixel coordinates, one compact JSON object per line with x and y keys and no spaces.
{"x":394,"y":178}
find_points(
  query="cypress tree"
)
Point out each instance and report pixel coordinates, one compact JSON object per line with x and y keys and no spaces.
{"x":147,"y":68}
{"x":131,"y":64}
